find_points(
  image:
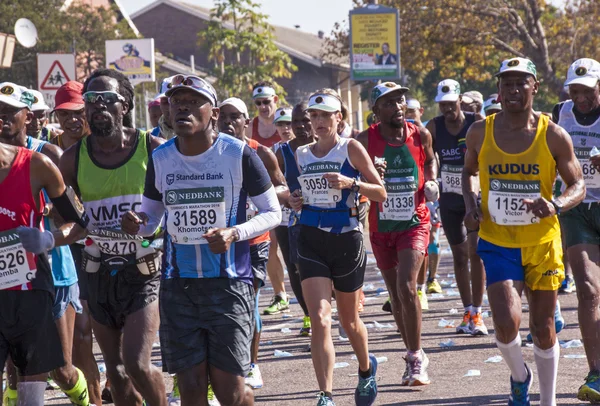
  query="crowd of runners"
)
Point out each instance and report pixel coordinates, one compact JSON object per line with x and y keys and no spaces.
{"x":118,"y":233}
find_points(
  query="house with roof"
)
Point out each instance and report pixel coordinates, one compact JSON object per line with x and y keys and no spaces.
{"x":175,"y":24}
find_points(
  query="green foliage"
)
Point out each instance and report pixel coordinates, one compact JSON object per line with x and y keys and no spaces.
{"x":241,"y":44}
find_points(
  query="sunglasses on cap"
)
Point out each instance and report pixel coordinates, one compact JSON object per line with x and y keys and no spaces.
{"x":108,"y":97}
{"x":196,"y":83}
{"x":263,"y":102}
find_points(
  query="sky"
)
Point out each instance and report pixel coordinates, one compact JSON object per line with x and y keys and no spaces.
{"x":287,"y":13}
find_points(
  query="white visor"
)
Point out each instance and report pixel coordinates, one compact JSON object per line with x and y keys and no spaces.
{"x":263,"y":91}
{"x":324,"y":102}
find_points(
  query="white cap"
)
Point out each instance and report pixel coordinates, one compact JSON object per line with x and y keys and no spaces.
{"x":522,"y":65}
{"x":15,"y":95}
{"x":38,"y":101}
{"x":384,"y":88}
{"x":584,"y":71}
{"x":283,"y":114}
{"x":492,"y":103}
{"x":413,"y":104}
{"x":164,"y":86}
{"x":325,"y":102}
{"x":448,"y":90}
{"x":237,"y":103}
{"x":263,"y":91}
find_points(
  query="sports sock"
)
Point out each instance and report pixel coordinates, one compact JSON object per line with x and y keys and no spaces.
{"x":475,"y":310}
{"x":31,"y":393}
{"x":547,"y":368}
{"x":79,"y":393}
{"x":514,"y":358}
{"x":468,"y":309}
{"x":283,"y":296}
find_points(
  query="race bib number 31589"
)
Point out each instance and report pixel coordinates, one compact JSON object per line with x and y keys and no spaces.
{"x":192,"y":212}
{"x":506,"y":201}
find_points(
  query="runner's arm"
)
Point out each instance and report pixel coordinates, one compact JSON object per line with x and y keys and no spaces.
{"x":268,"y":158}
{"x":430,"y":171}
{"x":470,"y":187}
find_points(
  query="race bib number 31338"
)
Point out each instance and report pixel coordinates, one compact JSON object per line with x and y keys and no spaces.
{"x":15,"y":267}
{"x":506,"y":201}
{"x":192,"y":212}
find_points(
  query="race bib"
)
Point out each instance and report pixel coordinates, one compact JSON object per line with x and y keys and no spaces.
{"x":192,"y":212}
{"x":400,"y":203}
{"x":505,"y":201}
{"x":116,"y":242}
{"x":317,"y":191}
{"x":451,"y":178}
{"x":15,"y":262}
{"x":591,"y":176}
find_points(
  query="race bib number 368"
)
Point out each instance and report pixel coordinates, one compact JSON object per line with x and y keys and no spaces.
{"x":506,"y":201}
{"x":192,"y":212}
{"x":451,"y":178}
{"x":15,"y":267}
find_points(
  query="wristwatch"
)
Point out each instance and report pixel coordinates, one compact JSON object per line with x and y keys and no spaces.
{"x":355,"y":186}
{"x":557,"y":206}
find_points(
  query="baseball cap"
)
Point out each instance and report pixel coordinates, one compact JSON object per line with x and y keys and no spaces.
{"x":324,"y":102}
{"x":413,"y":104}
{"x":38,"y":101}
{"x":472,"y":97}
{"x":283,"y":114}
{"x":385,"y":88}
{"x":492,"y":102}
{"x":195,"y":84}
{"x":154,"y":103}
{"x":522,"y":65}
{"x":69,"y":96}
{"x":237,"y":103}
{"x":263,"y":91}
{"x":15,"y":95}
{"x":584,"y":71}
{"x":448,"y":90}
{"x":164,"y":86}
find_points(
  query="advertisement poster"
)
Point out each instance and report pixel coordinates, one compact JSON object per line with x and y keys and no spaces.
{"x":132,"y":57}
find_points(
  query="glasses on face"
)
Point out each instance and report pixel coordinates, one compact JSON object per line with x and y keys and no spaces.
{"x":263,"y":102}
{"x":107,"y":97}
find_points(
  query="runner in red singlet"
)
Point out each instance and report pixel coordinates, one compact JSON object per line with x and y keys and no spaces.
{"x":262,"y":128}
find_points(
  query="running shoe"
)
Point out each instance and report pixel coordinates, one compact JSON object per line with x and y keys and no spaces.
{"x":465,"y":326}
{"x":387,"y":306}
{"x":212,"y":399}
{"x":254,"y":377}
{"x":324,"y":400}
{"x":361,"y":301}
{"x":433,"y":286}
{"x":568,"y":285}
{"x":305,"y":331}
{"x":590,"y":390}
{"x":366,"y":390}
{"x":277,"y":305}
{"x":559,"y":322}
{"x":406,"y":375}
{"x":423,"y":299}
{"x":478,"y":327}
{"x":174,"y":398}
{"x":417,"y":369}
{"x":519,"y":391}
{"x":9,"y":398}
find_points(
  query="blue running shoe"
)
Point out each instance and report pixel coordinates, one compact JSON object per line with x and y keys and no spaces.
{"x":590,"y":390}
{"x":559,"y":322}
{"x":324,"y":400}
{"x":568,"y":285}
{"x":519,"y":391}
{"x":366,"y":391}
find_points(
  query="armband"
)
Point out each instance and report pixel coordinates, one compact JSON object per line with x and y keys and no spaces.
{"x":70,"y":208}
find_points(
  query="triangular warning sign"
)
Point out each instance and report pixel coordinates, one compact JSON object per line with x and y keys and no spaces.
{"x":55,"y":78}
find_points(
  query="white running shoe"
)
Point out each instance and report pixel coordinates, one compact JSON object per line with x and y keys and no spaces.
{"x":254,"y":378}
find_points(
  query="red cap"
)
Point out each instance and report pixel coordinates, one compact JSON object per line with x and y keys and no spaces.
{"x":69,"y":96}
{"x":153,"y":103}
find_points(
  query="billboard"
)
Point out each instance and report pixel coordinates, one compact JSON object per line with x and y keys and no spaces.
{"x":374,"y":43}
{"x":132,"y":57}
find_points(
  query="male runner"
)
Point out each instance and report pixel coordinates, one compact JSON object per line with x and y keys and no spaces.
{"x":580,"y":116}
{"x":448,"y":132}
{"x":516,"y":154}
{"x":38,"y":127}
{"x":399,"y":227}
{"x":471,"y":101}
{"x":414,"y":111}
{"x":66,"y":296}
{"x":165,"y":128}
{"x":233,"y":120}
{"x":154,"y":112}
{"x":492,"y":105}
{"x":203,"y":179}
{"x":108,"y":169}
{"x":70,"y":113}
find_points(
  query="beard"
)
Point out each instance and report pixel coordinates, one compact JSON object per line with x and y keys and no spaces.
{"x":396,"y":124}
{"x":103,"y":129}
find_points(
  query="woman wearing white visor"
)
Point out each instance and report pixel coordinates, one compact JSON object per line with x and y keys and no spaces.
{"x":330,"y":244}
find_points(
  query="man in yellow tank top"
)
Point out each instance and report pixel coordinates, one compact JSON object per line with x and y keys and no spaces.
{"x":516,"y":154}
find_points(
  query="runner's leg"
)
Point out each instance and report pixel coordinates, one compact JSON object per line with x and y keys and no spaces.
{"x":409,"y":264}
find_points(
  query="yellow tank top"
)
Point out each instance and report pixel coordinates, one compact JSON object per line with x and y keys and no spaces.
{"x":507,"y":179}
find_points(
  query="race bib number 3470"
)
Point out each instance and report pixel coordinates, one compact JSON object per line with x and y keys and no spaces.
{"x":506,"y":201}
{"x":192,"y":212}
{"x":14,"y":261}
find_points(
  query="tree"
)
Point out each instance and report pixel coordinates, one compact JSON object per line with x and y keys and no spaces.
{"x":467,"y":40}
{"x":240,"y":42}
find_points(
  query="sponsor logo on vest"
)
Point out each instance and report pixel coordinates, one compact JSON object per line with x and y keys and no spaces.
{"x":10,"y":214}
{"x":397,"y":161}
{"x":113,"y":212}
{"x":170,"y":178}
{"x":177,"y":177}
{"x":513,"y":169}
{"x":452,"y":152}
{"x":204,"y":195}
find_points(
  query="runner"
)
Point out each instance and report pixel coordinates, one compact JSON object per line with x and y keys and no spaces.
{"x":471,"y":102}
{"x":492,"y":105}
{"x":108,"y":169}
{"x":330,"y":242}
{"x":70,"y":113}
{"x":233,"y":120}
{"x":580,"y":116}
{"x":38,"y":127}
{"x":27,"y":330}
{"x":204,"y":178}
{"x":154,"y":112}
{"x":164,"y":128}
{"x":399,"y":228}
{"x":345,"y":130}
{"x":516,"y":154}
{"x":448,"y":132}
{"x":286,"y":159}
{"x":414,"y":111}
{"x":262,"y":128}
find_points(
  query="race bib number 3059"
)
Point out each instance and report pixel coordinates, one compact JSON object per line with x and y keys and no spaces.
{"x":15,"y":263}
{"x":192,"y":212}
{"x":506,"y":201}
{"x":451,"y":178}
{"x":317,"y":191}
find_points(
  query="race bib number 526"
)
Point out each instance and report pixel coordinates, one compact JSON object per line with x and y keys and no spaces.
{"x":14,"y":261}
{"x":192,"y":212}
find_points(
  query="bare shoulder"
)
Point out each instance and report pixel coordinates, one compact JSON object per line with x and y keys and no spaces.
{"x":41,"y":163}
{"x":558,"y":139}
{"x":53,"y":152}
{"x":476,"y":134}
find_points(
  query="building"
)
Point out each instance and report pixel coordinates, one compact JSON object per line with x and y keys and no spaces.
{"x":174,"y":25}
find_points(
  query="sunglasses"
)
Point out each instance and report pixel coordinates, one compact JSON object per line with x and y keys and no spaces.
{"x":263,"y":102}
{"x":107,"y":97}
{"x":181,"y":80}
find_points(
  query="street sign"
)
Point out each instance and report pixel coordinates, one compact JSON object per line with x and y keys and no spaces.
{"x":54,"y":70}
{"x":132,"y":57}
{"x":374,"y":43}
